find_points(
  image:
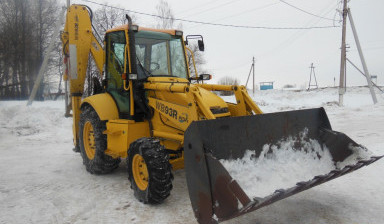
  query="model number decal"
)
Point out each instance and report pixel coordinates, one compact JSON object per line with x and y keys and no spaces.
{"x":167,"y":110}
{"x":183,"y":118}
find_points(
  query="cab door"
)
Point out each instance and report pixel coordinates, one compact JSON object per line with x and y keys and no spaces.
{"x":115,"y":52}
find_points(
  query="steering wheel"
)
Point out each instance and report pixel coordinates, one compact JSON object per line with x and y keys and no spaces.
{"x":154,"y":66}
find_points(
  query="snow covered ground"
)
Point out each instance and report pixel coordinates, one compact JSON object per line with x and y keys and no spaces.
{"x":43,"y":181}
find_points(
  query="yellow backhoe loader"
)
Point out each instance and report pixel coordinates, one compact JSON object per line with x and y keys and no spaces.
{"x":149,"y":110}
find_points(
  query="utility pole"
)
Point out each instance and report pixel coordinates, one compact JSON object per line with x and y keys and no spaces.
{"x":366,"y":73}
{"x":66,"y":93}
{"x":46,"y":57}
{"x":252,"y":69}
{"x":347,"y":12}
{"x":343,"y":55}
{"x":372,"y":77}
{"x":310,"y":77}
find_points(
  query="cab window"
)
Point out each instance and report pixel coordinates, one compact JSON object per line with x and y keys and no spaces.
{"x":115,"y":49}
{"x":160,"y":54}
{"x":115,"y":59}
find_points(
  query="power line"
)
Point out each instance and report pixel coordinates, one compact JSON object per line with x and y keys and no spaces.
{"x":240,"y":13}
{"x":296,"y":35}
{"x":368,"y":48}
{"x":309,"y":13}
{"x":213,"y":24}
{"x":197,"y":7}
{"x":210,"y":9}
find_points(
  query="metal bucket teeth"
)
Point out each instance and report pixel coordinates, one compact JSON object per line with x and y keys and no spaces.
{"x":216,"y":196}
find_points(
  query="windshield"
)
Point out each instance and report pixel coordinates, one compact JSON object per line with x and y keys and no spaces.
{"x":160,"y":54}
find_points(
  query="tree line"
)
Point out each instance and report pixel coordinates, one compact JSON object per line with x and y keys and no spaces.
{"x":26,"y":29}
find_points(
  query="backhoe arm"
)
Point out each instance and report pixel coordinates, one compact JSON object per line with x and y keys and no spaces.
{"x":78,"y":42}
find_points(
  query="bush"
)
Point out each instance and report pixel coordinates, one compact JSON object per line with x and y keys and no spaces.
{"x":228,"y":81}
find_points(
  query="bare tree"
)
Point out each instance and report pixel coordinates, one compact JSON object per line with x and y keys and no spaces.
{"x":45,"y":19}
{"x":25,"y":27}
{"x":228,"y":81}
{"x":199,"y":59}
{"x":166,"y":20}
{"x":107,"y":18}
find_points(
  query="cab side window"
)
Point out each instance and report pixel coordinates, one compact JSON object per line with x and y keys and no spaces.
{"x":115,"y":59}
{"x":115,"y":48}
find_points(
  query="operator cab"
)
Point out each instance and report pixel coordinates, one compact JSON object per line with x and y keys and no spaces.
{"x":159,"y":53}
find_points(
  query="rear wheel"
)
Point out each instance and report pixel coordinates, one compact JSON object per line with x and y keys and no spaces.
{"x":93,"y":143}
{"x":149,"y":171}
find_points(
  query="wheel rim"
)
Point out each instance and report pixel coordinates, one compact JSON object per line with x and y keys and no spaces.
{"x":89,"y":140}
{"x":140,"y":172}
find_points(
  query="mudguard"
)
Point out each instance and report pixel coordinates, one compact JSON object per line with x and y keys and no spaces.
{"x":104,"y":105}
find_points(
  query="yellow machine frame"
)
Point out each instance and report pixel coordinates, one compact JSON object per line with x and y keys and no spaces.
{"x":122,"y":132}
{"x":149,"y":119}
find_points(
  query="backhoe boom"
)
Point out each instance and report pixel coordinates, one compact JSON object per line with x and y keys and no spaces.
{"x":79,"y":42}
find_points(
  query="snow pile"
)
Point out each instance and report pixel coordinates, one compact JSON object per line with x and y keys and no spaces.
{"x":37,"y":122}
{"x":280,"y":165}
{"x":358,"y":153}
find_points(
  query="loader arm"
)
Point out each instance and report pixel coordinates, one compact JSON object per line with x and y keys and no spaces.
{"x":196,"y":104}
{"x":200,"y":104}
{"x":244,"y":103}
{"x":79,"y":41}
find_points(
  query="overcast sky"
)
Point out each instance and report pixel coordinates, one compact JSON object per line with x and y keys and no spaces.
{"x":282,"y":56}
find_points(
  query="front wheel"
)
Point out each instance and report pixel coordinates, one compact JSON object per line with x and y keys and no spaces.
{"x":149,"y":171}
{"x":93,"y":143}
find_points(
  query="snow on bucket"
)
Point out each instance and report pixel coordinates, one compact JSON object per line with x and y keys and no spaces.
{"x":239,"y":164}
{"x":282,"y":165}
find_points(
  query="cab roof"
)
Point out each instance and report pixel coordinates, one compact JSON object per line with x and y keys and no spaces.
{"x":125,"y":27}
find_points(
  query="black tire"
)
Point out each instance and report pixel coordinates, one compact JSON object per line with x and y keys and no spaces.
{"x":159,"y":170}
{"x":100,"y":163}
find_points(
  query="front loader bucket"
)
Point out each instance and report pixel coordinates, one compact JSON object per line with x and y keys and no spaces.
{"x":229,"y":162}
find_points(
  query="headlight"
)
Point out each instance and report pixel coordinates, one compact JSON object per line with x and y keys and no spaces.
{"x":135,"y":28}
{"x":179,"y":33}
{"x":132,"y":76}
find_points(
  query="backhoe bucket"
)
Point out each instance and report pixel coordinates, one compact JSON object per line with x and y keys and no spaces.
{"x":239,"y":164}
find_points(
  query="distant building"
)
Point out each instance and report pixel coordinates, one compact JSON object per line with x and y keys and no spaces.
{"x":266,"y":85}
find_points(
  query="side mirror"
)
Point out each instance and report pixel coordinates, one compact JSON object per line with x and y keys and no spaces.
{"x":200,"y":41}
{"x":201,"y":45}
{"x":205,"y":76}
{"x":201,"y":77}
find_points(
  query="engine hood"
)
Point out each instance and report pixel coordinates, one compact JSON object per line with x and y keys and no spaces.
{"x":215,"y":103}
